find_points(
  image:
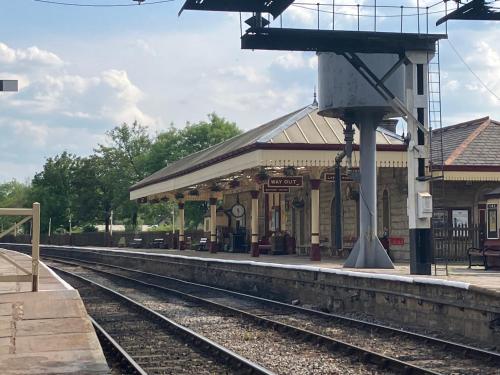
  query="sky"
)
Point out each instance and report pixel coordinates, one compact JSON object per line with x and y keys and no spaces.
{"x":84,"y":70}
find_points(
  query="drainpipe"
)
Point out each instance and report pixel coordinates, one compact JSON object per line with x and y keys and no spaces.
{"x":347,"y":152}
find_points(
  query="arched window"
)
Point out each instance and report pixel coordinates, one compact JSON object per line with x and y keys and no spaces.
{"x":386,"y":210}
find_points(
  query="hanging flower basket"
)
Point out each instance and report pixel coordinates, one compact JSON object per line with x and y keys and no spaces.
{"x":234,"y":184}
{"x":261,"y":176}
{"x":290,"y":171}
{"x":155,"y":200}
{"x":179,"y":195}
{"x":194,"y":192}
{"x":215,"y":188}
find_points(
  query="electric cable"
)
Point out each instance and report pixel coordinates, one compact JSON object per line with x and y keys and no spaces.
{"x":90,"y":5}
{"x":472,"y":72}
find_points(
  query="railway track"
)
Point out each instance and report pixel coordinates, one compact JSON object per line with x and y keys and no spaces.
{"x":145,"y":342}
{"x":401,"y":351}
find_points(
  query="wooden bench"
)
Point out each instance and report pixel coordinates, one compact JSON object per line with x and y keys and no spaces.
{"x":136,"y":243}
{"x":489,"y":255}
{"x":202,"y":245}
{"x":158,"y":243}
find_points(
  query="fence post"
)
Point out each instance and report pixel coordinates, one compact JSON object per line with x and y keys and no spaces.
{"x":35,"y":245}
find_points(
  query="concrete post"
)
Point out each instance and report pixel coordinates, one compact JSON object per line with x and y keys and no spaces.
{"x":315,"y":250}
{"x":35,"y":246}
{"x":255,"y":223}
{"x":213,"y":225}
{"x":368,"y":252}
{"x":182,"y":240}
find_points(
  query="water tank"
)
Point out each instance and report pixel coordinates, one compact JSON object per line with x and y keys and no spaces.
{"x":344,"y":93}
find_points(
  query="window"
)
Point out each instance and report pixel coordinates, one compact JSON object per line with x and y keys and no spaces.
{"x":386,"y":210}
{"x":492,"y":221}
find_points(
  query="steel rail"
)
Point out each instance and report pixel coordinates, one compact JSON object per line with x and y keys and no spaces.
{"x":459,"y":348}
{"x":366,"y":355}
{"x":122,"y":357}
{"x":236,"y":361}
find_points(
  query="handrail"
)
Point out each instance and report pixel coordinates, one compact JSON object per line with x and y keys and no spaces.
{"x":34,"y":215}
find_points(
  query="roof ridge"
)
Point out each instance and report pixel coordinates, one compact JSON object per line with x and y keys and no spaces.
{"x":292,"y":119}
{"x":470,"y":122}
{"x":463,"y":146}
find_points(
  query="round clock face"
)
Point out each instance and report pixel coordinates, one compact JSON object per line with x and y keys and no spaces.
{"x":238,"y":210}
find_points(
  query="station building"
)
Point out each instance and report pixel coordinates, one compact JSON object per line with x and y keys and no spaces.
{"x":271,"y":189}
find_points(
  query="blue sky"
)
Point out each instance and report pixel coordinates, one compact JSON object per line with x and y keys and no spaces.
{"x":84,"y":70}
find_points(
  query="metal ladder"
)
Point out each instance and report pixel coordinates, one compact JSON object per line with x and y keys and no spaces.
{"x":435,"y":117}
{"x":435,"y":122}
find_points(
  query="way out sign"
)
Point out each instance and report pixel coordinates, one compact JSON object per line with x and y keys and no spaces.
{"x":286,"y":181}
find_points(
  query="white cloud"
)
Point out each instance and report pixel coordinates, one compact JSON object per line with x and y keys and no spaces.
{"x":29,"y":55}
{"x":290,"y":60}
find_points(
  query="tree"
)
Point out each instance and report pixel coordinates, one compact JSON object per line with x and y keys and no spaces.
{"x":53,"y":188}
{"x":13,"y":194}
{"x":119,"y":165}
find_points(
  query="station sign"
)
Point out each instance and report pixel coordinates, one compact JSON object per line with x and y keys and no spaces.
{"x":396,"y":241}
{"x":331,"y":177}
{"x":276,"y":189}
{"x":286,"y":181}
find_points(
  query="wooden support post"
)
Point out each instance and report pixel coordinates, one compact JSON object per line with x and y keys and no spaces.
{"x":182,"y":243}
{"x":213,"y":225}
{"x":315,"y":250}
{"x":255,"y":223}
{"x":35,"y":245}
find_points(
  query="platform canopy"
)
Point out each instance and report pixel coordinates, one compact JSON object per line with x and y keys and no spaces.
{"x":301,"y":139}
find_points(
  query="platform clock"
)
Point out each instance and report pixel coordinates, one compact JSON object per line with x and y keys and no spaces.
{"x":237,"y":210}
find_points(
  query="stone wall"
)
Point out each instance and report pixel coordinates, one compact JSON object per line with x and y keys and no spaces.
{"x":453,"y":309}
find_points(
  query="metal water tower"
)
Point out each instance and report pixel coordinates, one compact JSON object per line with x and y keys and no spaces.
{"x":364,"y":76}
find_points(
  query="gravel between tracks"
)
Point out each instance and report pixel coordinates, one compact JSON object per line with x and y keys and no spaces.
{"x":277,"y":352}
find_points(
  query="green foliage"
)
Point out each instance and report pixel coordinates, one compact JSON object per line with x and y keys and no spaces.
{"x":13,"y":194}
{"x":88,"y":190}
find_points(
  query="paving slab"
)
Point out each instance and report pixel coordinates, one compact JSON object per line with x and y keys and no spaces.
{"x":46,"y":332}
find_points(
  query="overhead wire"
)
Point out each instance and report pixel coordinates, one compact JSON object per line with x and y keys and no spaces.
{"x":472,"y":72}
{"x":91,"y":5}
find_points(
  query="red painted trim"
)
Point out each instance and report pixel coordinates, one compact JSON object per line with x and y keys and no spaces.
{"x":315,"y":252}
{"x":315,"y":184}
{"x":255,"y":250}
{"x":262,"y":146}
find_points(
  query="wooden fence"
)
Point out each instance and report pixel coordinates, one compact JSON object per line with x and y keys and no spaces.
{"x":101,"y":239}
{"x":453,"y":242}
{"x":32,"y":214}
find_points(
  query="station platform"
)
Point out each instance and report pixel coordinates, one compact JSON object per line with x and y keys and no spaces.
{"x":459,"y":272}
{"x":46,"y":332}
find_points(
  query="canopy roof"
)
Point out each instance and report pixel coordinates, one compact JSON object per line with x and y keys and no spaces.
{"x":301,"y":131}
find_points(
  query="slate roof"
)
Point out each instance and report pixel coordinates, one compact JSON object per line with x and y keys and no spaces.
{"x":471,"y":143}
{"x":304,"y":128}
